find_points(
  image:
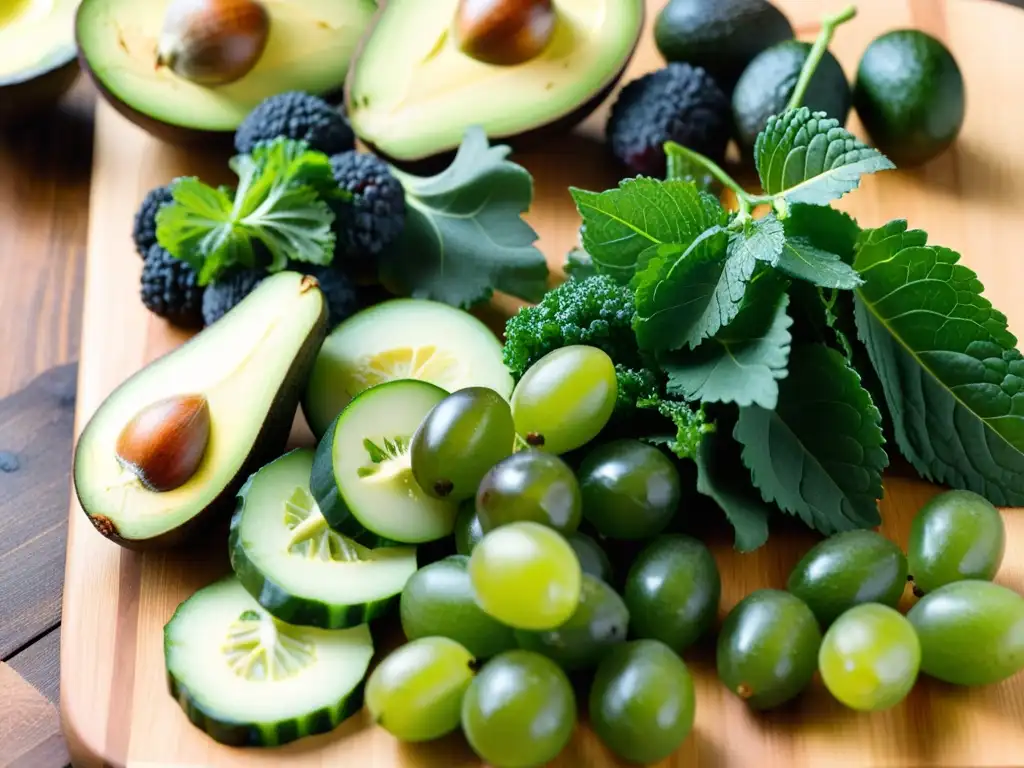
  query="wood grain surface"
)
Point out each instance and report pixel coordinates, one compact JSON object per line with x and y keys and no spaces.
{"x":114,"y":703}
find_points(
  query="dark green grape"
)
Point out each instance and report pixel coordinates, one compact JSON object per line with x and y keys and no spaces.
{"x":438,"y":601}
{"x":971,"y":632}
{"x":416,"y":692}
{"x":870,"y":657}
{"x":529,"y":485}
{"x":600,"y":622}
{"x":768,"y":648}
{"x":519,"y":711}
{"x":848,"y":569}
{"x":593,"y":559}
{"x":642,"y":702}
{"x":565,"y":399}
{"x":526,"y":576}
{"x":672,"y":591}
{"x":630,"y":489}
{"x":956,"y":535}
{"x":462,"y":437}
{"x":468,"y":530}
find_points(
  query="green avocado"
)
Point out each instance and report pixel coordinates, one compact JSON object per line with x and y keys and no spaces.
{"x":765,"y":87}
{"x":723,"y":36}
{"x":909,"y":95}
{"x":249,"y":367}
{"x":413,"y":90}
{"x":309,"y":47}
{"x":37,"y":55}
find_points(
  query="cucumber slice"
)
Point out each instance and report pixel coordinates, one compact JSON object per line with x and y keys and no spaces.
{"x":296,"y":567}
{"x":402,"y":339}
{"x":362,"y":478}
{"x":247,"y":679}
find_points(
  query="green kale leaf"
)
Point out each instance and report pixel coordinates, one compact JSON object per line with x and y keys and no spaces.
{"x":819,"y":455}
{"x":952,"y":376}
{"x":464,"y":234}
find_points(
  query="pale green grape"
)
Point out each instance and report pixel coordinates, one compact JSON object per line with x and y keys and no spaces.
{"x":526,"y":576}
{"x":529,"y":485}
{"x":565,"y":399}
{"x":416,"y":692}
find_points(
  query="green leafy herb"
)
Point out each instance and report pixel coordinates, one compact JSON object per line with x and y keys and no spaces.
{"x":802,"y":260}
{"x":281,"y":201}
{"x":680,"y":167}
{"x":620,"y":224}
{"x":690,"y":424}
{"x":579,"y":265}
{"x":823,"y":227}
{"x":819,"y":454}
{"x":807,"y":157}
{"x":464,"y":234}
{"x":952,"y":376}
{"x":744,"y":361}
{"x":722,"y":477}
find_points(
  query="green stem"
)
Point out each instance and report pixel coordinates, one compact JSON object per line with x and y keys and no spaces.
{"x":828,"y":29}
{"x":746,"y":201}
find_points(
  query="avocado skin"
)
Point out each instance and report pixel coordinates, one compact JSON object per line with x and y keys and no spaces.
{"x":721,"y":36}
{"x":766,"y":85}
{"x":849,"y":569}
{"x":26,"y":98}
{"x":268,"y":445}
{"x":909,"y":94}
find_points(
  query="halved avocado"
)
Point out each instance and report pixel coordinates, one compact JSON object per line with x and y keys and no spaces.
{"x":250,"y":366}
{"x":411,"y":91}
{"x":37,"y":55}
{"x":310,"y":45}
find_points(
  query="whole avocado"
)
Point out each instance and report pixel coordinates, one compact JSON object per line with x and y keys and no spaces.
{"x":909,"y":95}
{"x":765,"y":87}
{"x":721,"y":36}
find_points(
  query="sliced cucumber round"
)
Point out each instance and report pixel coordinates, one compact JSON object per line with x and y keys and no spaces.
{"x":362,"y":474}
{"x":296,"y":566}
{"x":402,"y":339}
{"x":249,"y":680}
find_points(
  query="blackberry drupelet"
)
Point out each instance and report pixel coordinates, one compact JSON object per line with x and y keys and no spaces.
{"x":678,"y":103}
{"x":144,"y":228}
{"x":296,"y":115}
{"x":223,"y":295}
{"x":169,"y":288}
{"x":375,"y":216}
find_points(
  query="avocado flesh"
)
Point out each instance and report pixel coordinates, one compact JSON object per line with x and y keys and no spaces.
{"x":36,"y":36}
{"x":412,"y":92}
{"x":311,"y":43}
{"x":251,"y":366}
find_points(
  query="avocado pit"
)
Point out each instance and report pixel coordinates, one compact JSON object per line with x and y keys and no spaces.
{"x":504,"y":32}
{"x":163,"y":445}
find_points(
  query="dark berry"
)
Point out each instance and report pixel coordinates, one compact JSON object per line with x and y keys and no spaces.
{"x":224,"y":295}
{"x":296,"y":115}
{"x":170,"y":289}
{"x":144,"y":229}
{"x":375,"y":216}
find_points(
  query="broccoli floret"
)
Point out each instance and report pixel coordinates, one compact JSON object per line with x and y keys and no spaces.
{"x":144,"y":228}
{"x":635,"y":384}
{"x":296,"y":115}
{"x":595,"y":311}
{"x":690,"y":423}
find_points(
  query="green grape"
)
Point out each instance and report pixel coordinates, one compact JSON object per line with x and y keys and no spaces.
{"x":768,"y":648}
{"x":529,"y":485}
{"x":869,"y":657}
{"x":672,"y":591}
{"x":971,"y":632}
{"x":438,"y":602}
{"x":565,"y":399}
{"x":599,"y":623}
{"x":416,"y":692}
{"x":462,"y":437}
{"x":526,"y":576}
{"x":642,"y":701}
{"x":630,"y":489}
{"x":593,"y":559}
{"x":468,"y":530}
{"x":956,"y":535}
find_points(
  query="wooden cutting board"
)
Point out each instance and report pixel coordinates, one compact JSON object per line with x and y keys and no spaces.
{"x":115,"y":706}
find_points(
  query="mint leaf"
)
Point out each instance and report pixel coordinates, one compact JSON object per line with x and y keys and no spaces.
{"x":744,"y":361}
{"x":805,"y":157}
{"x":824,"y":227}
{"x":690,"y":426}
{"x":800,"y":259}
{"x":722,"y":477}
{"x":464,"y":235}
{"x":952,"y":376}
{"x":760,"y":240}
{"x":819,"y":454}
{"x":620,"y":224}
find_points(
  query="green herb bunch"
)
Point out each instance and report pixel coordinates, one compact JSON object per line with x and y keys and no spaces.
{"x":796,"y":329}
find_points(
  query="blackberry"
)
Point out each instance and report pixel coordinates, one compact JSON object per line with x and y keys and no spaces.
{"x":339,"y":291}
{"x":296,"y":115}
{"x":223,"y":295}
{"x":169,"y":288}
{"x":678,"y":103}
{"x":375,"y":216}
{"x":144,"y":229}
